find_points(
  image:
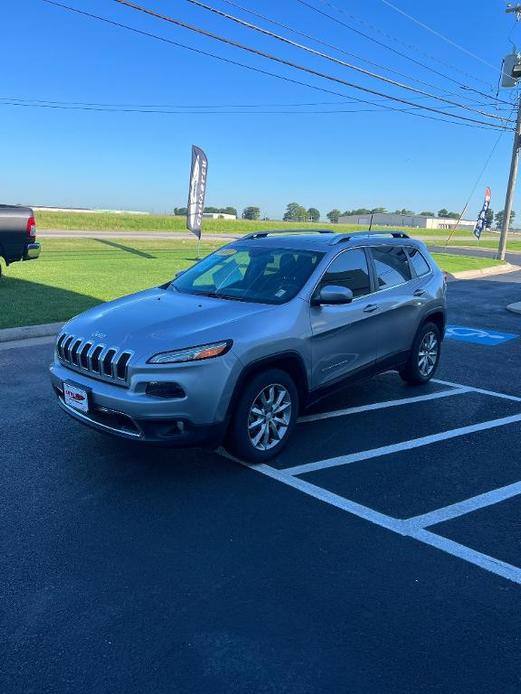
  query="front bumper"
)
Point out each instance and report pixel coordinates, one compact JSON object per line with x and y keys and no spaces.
{"x":173,"y":433}
{"x":32,"y":251}
{"x":199,"y":418}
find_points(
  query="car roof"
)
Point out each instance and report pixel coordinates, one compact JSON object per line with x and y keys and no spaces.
{"x":323,"y":240}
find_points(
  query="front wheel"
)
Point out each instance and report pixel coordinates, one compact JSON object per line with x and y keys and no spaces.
{"x":265,"y":417}
{"x":424,"y":356}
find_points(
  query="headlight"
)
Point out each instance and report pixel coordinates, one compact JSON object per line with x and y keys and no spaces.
{"x":192,"y":354}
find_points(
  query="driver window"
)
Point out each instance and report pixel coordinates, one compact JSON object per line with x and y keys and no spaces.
{"x":349,"y":270}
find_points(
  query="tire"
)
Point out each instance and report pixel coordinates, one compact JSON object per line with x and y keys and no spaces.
{"x":424,"y":356}
{"x":256,"y":407}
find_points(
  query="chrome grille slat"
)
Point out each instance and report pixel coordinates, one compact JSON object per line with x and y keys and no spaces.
{"x":98,"y":360}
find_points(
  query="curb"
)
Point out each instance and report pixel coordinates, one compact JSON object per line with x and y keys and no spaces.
{"x":484,"y":272}
{"x":515,"y":308}
{"x":28,"y":331}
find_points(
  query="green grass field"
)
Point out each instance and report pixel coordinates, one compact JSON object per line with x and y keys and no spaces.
{"x":128,"y":222}
{"x":72,"y":275}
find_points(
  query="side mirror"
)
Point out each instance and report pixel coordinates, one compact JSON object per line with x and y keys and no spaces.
{"x":333,"y":294}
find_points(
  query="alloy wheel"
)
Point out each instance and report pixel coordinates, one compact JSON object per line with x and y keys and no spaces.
{"x":269,"y":417}
{"x":428,"y":353}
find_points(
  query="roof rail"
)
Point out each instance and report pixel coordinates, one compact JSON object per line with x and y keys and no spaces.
{"x":341,"y":238}
{"x":262,"y":234}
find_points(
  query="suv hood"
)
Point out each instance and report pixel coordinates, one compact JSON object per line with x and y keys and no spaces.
{"x":158,"y":319}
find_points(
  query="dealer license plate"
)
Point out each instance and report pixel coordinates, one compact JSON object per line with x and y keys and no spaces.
{"x":76,"y":397}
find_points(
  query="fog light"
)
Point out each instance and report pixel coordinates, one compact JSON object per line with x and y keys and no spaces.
{"x":164,"y":389}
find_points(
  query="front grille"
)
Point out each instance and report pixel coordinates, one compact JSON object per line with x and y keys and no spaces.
{"x":97,"y":360}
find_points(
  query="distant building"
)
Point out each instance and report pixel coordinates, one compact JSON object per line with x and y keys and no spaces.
{"x":403,"y":220}
{"x":219,"y":215}
{"x":83,"y":210}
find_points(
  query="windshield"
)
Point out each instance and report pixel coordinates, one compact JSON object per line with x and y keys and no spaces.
{"x":260,"y":275}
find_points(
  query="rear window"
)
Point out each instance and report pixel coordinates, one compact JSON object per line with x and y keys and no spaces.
{"x":418,"y":262}
{"x":392,"y":266}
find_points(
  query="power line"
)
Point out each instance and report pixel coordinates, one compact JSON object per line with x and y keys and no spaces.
{"x":326,"y":56}
{"x":288,"y":63}
{"x":409,"y":46}
{"x":334,"y":47}
{"x":258,"y":70}
{"x":209,"y":108}
{"x":389,"y":48}
{"x":440,"y":35}
{"x":188,"y":111}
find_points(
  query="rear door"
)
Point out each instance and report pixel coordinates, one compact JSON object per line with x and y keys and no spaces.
{"x":342,"y":339}
{"x":399,"y":310}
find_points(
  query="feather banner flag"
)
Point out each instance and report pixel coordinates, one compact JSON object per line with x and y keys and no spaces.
{"x":482,"y":219}
{"x":197,"y":191}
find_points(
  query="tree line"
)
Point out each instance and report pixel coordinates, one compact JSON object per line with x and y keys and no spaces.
{"x":295,"y":212}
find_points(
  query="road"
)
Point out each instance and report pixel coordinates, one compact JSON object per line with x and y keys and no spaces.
{"x":158,"y":235}
{"x":130,"y":570}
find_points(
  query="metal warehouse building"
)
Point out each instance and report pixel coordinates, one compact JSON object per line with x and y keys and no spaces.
{"x":403,"y":220}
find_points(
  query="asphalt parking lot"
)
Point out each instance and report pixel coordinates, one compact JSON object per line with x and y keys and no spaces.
{"x":381,"y":552}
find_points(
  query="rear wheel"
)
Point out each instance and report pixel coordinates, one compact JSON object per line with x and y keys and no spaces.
{"x":425,"y":355}
{"x":265,"y":416}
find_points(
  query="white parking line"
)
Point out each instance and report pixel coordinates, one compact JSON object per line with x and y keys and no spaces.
{"x":394,"y":524}
{"x":383,"y":405}
{"x":402,"y":446}
{"x":414,"y":527}
{"x":484,"y":561}
{"x":401,"y":527}
{"x":495,"y":394}
{"x":467,"y":506}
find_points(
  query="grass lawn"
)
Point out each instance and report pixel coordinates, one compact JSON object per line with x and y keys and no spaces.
{"x":72,"y":275}
{"x":127,"y":222}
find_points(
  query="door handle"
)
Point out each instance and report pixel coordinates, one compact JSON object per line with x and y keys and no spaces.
{"x":370,"y":308}
{"x":419,"y":292}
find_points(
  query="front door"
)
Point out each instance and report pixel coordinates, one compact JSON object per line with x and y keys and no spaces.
{"x":342,"y":341}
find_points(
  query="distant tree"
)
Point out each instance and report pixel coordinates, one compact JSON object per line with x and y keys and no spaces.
{"x":333,"y":216}
{"x":489,"y":218}
{"x":359,"y":211}
{"x":443,"y":213}
{"x":181,"y":211}
{"x":229,"y":210}
{"x":499,"y":218}
{"x":378,"y":210}
{"x":251,"y":213}
{"x":427,"y":214}
{"x":403,"y":211}
{"x":295,"y":213}
{"x":313,"y":214}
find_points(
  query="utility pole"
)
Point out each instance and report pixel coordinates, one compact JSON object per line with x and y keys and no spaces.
{"x":511,"y":186}
{"x":511,"y":9}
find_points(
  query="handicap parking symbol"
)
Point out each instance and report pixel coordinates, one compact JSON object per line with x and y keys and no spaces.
{"x":477,"y":336}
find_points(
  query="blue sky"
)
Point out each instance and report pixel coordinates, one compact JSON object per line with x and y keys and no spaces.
{"x":325,"y":160}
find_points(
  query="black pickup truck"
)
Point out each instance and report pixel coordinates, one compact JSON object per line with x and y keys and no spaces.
{"x":17,"y":234}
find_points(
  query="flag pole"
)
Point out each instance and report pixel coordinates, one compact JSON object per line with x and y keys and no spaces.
{"x":456,"y":225}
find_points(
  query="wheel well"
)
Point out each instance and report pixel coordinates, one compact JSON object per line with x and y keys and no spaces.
{"x":291,"y":363}
{"x":438,"y":318}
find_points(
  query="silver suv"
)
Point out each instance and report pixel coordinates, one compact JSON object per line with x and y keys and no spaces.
{"x":235,"y":347}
